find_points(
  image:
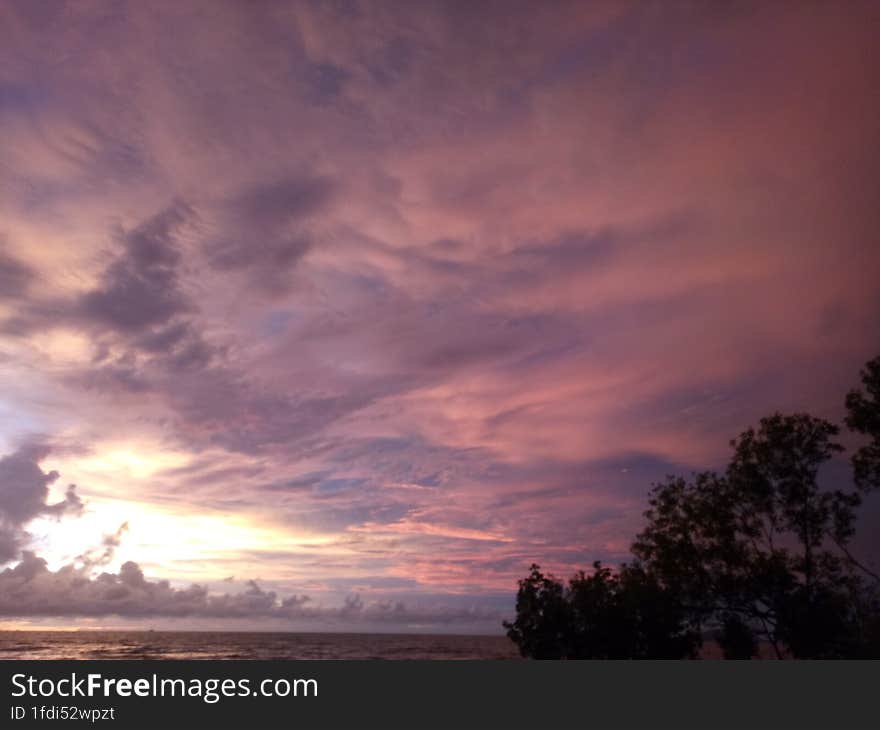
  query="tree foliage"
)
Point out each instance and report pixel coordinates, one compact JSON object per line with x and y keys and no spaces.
{"x":762,"y":548}
{"x":757,"y":554}
{"x":863,"y":416}
{"x":600,"y":616}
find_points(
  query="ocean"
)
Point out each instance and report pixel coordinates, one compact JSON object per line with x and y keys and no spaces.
{"x":229,"y":645}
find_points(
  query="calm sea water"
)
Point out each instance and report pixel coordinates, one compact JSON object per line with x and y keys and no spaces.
{"x":225,"y":645}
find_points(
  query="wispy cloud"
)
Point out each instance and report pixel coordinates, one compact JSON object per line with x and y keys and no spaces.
{"x":441,"y":289}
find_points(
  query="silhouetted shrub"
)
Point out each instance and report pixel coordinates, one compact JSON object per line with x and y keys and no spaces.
{"x":627,"y":615}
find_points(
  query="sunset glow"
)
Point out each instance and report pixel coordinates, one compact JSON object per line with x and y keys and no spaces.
{"x":378,"y":308}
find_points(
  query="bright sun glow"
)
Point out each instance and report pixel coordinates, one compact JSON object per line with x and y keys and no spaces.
{"x":178,"y":546}
{"x":117,"y":481}
{"x":129,"y":462}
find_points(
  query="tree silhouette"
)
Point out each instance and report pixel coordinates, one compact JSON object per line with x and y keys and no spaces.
{"x":864,"y":417}
{"x":762,"y":548}
{"x":757,"y":554}
{"x":600,"y":616}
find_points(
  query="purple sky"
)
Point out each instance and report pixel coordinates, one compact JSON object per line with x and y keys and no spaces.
{"x":349,"y":311}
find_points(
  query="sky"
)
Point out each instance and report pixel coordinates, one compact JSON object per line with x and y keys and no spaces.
{"x":338,"y":315}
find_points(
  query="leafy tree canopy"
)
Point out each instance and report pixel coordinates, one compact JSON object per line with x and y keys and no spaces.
{"x":757,"y":554}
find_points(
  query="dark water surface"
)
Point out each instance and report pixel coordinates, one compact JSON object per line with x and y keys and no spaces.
{"x":227,"y":645}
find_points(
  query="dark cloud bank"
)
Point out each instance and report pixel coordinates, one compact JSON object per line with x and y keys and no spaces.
{"x":31,"y":589}
{"x":24,"y":490}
